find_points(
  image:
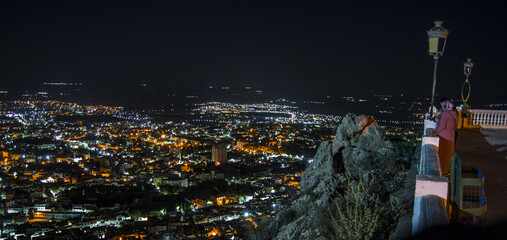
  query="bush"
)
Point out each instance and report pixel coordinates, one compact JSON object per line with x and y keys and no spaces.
{"x":355,"y":217}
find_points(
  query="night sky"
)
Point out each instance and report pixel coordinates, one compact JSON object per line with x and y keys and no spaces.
{"x":341,"y":45}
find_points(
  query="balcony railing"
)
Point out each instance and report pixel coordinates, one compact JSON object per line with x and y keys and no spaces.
{"x":484,"y":118}
{"x":431,"y":206}
{"x":431,"y":187}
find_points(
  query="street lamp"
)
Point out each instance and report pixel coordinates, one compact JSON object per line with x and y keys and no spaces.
{"x":467,"y":66}
{"x":437,"y":38}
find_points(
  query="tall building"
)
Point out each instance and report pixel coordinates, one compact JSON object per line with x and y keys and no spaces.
{"x":219,"y":153}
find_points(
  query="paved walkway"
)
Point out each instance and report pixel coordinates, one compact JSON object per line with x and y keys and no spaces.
{"x":486,"y":150}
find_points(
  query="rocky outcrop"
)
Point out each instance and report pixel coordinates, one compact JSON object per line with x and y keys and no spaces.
{"x":358,"y":149}
{"x":322,"y":177}
{"x":359,"y":145}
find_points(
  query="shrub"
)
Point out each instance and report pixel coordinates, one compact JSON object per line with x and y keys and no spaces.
{"x":355,"y":217}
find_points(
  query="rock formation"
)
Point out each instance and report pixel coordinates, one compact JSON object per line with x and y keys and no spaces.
{"x":358,"y":149}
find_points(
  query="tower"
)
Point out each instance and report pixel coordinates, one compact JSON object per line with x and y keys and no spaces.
{"x":219,"y":153}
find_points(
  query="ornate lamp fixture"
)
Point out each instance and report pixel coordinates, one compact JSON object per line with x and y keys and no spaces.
{"x":437,"y":38}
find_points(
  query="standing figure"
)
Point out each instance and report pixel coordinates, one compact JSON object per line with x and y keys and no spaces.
{"x":446,"y":130}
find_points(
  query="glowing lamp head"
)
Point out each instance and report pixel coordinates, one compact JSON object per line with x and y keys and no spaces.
{"x":437,"y":38}
{"x":467,"y":66}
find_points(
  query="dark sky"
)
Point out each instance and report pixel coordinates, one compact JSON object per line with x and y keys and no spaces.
{"x":341,"y":45}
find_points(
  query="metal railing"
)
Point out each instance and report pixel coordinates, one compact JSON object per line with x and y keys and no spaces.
{"x":484,"y":118}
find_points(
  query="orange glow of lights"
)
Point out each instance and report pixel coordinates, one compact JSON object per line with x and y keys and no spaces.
{"x":253,"y":222}
{"x":213,"y":233}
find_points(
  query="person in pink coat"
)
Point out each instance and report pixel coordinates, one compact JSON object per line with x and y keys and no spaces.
{"x":446,"y":131}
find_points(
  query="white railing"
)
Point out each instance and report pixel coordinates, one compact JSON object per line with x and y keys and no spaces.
{"x":488,"y":118}
{"x":430,"y":187}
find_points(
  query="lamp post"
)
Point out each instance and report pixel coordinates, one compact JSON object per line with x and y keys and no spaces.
{"x":437,"y":38}
{"x":467,"y":66}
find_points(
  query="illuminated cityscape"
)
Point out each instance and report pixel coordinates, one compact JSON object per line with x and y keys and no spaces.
{"x":107,"y":172}
{"x":252,"y":120}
